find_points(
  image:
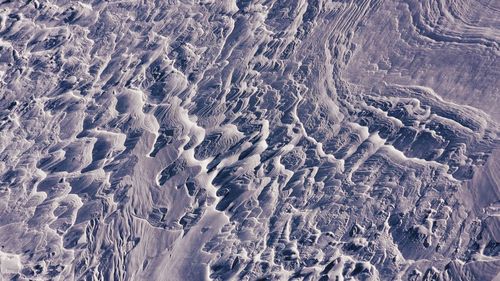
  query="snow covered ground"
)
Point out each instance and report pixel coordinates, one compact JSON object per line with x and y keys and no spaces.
{"x":249,"y":140}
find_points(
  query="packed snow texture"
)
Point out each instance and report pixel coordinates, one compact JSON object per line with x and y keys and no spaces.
{"x":249,"y":140}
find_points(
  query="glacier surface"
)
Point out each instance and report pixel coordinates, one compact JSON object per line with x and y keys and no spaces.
{"x":249,"y":140}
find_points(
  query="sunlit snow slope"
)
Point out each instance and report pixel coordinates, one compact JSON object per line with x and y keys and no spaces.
{"x":249,"y":140}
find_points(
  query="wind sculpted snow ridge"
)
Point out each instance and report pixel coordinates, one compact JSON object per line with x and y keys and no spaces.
{"x":249,"y":140}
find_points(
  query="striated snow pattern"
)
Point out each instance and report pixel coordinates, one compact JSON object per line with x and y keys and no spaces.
{"x":249,"y":140}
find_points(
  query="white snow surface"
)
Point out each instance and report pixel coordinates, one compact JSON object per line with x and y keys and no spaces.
{"x":249,"y":140}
